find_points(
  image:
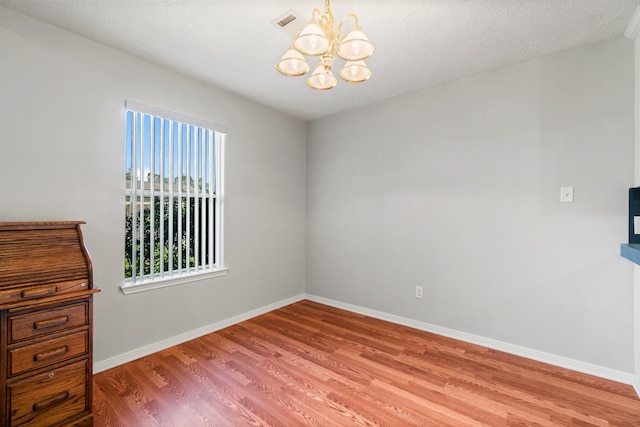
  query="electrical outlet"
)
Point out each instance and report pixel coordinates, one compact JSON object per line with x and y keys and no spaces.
{"x":419,"y":294}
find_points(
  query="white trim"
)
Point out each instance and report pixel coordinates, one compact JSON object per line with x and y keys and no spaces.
{"x":634,"y":25}
{"x":133,"y":288}
{"x":540,"y":356}
{"x":552,"y":359}
{"x":220,"y":145}
{"x":137,"y":353}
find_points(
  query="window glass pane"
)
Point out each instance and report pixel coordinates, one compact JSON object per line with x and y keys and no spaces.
{"x":170,"y":207}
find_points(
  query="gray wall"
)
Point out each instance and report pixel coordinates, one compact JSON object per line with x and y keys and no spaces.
{"x":456,"y":188}
{"x":62,"y":157}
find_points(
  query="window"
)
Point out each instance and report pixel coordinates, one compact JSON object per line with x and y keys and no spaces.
{"x":173,"y":198}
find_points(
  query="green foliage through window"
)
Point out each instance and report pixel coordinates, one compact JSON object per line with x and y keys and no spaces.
{"x":170,"y":252}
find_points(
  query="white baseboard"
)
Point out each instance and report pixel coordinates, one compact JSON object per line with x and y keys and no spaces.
{"x":552,"y":359}
{"x":636,"y":386}
{"x":137,"y":353}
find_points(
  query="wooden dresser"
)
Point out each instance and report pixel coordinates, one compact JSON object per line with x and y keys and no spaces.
{"x":46,"y":292}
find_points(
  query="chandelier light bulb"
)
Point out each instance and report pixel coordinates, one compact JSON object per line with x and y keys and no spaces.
{"x":322,"y":78}
{"x":312,"y":41}
{"x":355,"y":72}
{"x":355,"y":46}
{"x":292,"y":64}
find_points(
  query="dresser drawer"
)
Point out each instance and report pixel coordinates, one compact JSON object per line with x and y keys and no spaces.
{"x":35,"y":324}
{"x":46,"y":399}
{"x":34,"y":356}
{"x":27,"y":293}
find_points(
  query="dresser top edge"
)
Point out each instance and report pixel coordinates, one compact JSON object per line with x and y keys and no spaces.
{"x":39,"y":225}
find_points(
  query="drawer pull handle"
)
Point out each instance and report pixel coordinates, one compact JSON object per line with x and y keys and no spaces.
{"x":51,"y":401}
{"x":50,"y":354}
{"x":50,"y":323}
{"x":39,"y":292}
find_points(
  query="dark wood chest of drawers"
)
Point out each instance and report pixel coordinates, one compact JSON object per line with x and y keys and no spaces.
{"x":46,"y":302}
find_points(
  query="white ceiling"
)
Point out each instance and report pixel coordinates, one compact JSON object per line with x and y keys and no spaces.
{"x":232,"y":43}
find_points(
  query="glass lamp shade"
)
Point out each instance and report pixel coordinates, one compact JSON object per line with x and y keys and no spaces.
{"x":355,"y":46}
{"x":292,"y":64}
{"x":312,"y":40}
{"x":355,"y":72}
{"x":322,"y":78}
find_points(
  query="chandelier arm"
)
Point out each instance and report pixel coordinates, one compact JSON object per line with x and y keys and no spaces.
{"x":351,"y":15}
{"x":325,"y":22}
{"x":314,"y":12}
{"x":326,"y":19}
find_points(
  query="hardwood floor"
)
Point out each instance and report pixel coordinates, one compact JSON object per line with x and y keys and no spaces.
{"x":309,"y":364}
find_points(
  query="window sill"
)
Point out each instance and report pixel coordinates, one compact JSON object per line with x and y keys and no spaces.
{"x":133,"y":288}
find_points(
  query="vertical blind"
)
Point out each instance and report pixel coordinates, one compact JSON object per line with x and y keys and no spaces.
{"x":172,"y":204}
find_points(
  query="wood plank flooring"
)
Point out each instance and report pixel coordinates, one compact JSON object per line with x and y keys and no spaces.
{"x":310,"y":364}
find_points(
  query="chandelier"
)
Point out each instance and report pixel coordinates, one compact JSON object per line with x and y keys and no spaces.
{"x":318,"y":38}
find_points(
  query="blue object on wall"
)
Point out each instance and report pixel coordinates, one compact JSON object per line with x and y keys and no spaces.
{"x":634,"y":215}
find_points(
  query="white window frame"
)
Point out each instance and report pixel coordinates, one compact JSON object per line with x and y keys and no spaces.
{"x":186,"y":275}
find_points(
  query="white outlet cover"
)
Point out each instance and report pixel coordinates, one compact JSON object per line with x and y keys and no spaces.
{"x":566,"y":194}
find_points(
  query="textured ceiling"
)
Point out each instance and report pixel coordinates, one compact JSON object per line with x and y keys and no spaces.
{"x":232,"y":43}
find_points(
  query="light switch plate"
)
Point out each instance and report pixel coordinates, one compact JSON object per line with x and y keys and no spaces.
{"x":566,"y":194}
